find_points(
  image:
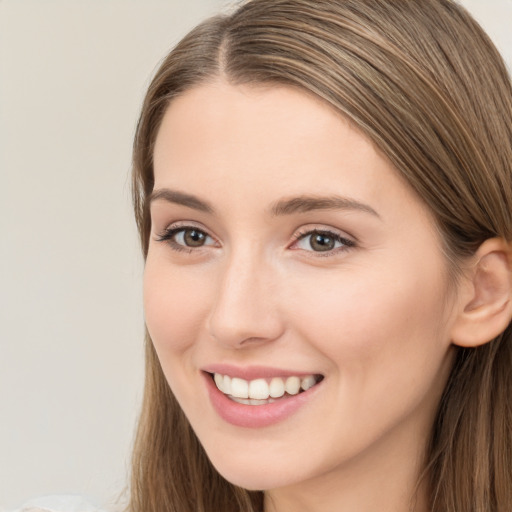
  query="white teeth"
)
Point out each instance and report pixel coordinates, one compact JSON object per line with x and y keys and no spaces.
{"x":292,"y":385}
{"x":260,"y":391}
{"x":276,"y":387}
{"x":219,"y":381}
{"x":250,"y":401}
{"x":307,"y":382}
{"x":239,"y":388}
{"x":226,"y":385}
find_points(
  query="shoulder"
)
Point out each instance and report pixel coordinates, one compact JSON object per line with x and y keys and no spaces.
{"x":58,"y":504}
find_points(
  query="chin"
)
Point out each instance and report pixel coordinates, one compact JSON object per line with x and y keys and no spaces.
{"x":254,"y":480}
{"x":257,"y":475}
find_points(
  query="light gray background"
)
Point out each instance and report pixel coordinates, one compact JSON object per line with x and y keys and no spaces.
{"x":72,"y":77}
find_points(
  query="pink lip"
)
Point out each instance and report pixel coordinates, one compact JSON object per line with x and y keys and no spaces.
{"x":256,"y":416}
{"x":252,"y":372}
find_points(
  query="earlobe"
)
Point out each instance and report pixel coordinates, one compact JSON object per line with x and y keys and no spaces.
{"x":486,"y":304}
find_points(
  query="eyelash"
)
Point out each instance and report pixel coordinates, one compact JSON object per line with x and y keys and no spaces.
{"x":170,"y":232}
{"x":346,"y":243}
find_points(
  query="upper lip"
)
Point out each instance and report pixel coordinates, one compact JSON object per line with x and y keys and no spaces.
{"x":253,"y":372}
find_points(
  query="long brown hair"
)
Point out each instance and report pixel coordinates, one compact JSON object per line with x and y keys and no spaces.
{"x":426,"y":85}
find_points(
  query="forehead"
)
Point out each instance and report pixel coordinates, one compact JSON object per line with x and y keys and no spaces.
{"x":245,"y":115}
{"x":263,"y":143}
{"x":256,"y":128}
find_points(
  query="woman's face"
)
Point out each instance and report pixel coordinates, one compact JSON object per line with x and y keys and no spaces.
{"x":286,"y":252}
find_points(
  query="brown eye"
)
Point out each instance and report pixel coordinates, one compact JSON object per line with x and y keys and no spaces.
{"x":322,"y":242}
{"x":186,"y":237}
{"x":193,"y":238}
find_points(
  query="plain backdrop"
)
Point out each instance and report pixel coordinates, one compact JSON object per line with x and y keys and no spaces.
{"x":72,"y":78}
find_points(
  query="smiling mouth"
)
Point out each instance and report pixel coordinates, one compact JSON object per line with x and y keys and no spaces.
{"x":263,"y":391}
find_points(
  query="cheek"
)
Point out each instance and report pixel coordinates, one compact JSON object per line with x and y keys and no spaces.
{"x":360,"y":318}
{"x":384,"y":345}
{"x":174,"y":303}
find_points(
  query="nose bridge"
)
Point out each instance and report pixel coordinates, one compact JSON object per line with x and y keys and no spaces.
{"x":243,"y":309}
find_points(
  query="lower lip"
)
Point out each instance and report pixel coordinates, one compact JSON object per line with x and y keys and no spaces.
{"x":256,"y":416}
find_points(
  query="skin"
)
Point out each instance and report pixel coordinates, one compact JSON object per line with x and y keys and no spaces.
{"x":373,"y":316}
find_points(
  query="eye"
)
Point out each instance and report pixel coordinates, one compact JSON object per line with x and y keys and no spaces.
{"x":323,"y":241}
{"x":185,"y":237}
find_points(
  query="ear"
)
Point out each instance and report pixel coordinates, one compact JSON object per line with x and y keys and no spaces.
{"x":486,"y":296}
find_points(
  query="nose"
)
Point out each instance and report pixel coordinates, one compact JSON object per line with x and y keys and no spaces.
{"x":245,"y":310}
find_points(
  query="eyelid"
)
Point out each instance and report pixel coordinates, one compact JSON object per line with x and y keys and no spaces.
{"x":348,"y":241}
{"x":324,"y":228}
{"x":184,"y":224}
{"x":169,"y":232}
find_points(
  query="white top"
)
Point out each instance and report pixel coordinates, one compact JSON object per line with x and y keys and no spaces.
{"x":58,"y":504}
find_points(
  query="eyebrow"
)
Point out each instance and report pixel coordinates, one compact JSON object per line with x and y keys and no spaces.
{"x":173,"y":196}
{"x":304,"y":204}
{"x":300,"y":204}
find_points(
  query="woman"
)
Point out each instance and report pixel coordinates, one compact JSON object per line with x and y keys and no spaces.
{"x":324,"y":194}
